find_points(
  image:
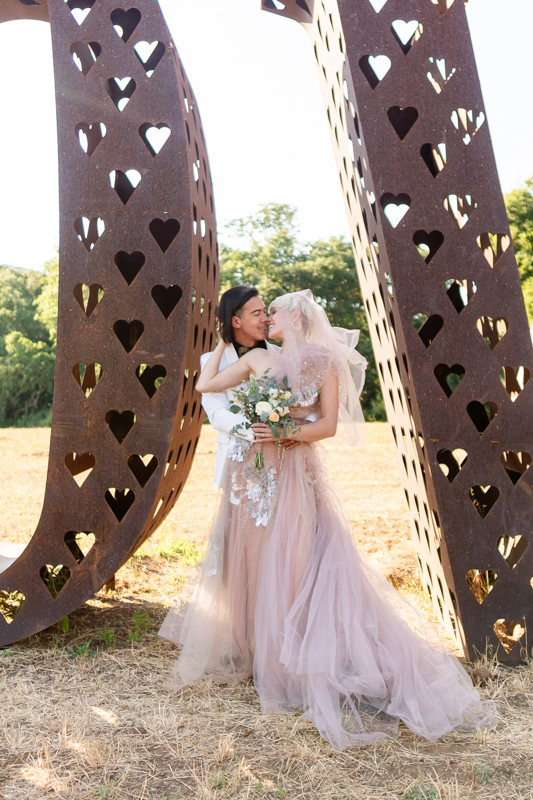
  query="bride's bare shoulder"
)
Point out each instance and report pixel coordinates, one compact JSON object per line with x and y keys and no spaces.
{"x":259,"y":360}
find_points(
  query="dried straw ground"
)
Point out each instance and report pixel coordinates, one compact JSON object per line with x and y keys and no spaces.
{"x":86,"y":714}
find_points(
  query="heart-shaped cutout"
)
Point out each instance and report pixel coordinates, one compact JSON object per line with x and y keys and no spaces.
{"x":428,"y":244}
{"x":143,"y":467}
{"x":395,"y":207}
{"x":439,"y":72}
{"x":407,"y":33}
{"x":151,"y":378}
{"x":120,"y":501}
{"x":125,"y":21}
{"x":149,"y":54}
{"x":374,"y":68}
{"x":89,"y":230}
{"x":514,"y":380}
{"x":512,"y":548}
{"x":90,"y":135}
{"x":120,"y":90}
{"x":88,"y":297}
{"x":124,"y":183}
{"x":435,"y":157}
{"x":481,"y":582}
{"x":515,"y":464}
{"x":167,"y":298}
{"x":85,"y":54}
{"x":443,"y":5}
{"x":129,"y":264}
{"x":460,"y":292}
{"x":427,"y":327}
{"x":468,"y":122}
{"x":377,"y":5}
{"x":449,"y":377}
{"x":482,"y":414}
{"x":80,"y":9}
{"x":492,"y":329}
{"x":484,"y":498}
{"x":155,"y":136}
{"x":451,"y":462}
{"x":494,"y":245}
{"x":87,"y":376}
{"x":402,"y":119}
{"x":120,"y":423}
{"x":164,"y":232}
{"x":80,"y":466}
{"x":10,"y":604}
{"x":54,"y":578}
{"x":128,"y":333}
{"x":79,"y":543}
{"x":460,"y":209}
{"x":509,"y":633}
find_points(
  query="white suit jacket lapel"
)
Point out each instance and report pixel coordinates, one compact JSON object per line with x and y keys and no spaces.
{"x":230,"y":356}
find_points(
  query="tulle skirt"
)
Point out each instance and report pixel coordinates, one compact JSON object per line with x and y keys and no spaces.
{"x":284,"y":595}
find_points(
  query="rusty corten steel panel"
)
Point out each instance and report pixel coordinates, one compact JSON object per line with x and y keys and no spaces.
{"x":443,"y":297}
{"x":137,"y":294}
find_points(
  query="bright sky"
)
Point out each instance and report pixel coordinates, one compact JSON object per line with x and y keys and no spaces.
{"x":257,"y":88}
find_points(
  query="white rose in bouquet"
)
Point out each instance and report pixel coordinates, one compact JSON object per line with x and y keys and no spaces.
{"x":263,"y":407}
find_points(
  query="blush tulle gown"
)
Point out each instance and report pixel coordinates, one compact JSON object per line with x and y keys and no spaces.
{"x":285,"y":596}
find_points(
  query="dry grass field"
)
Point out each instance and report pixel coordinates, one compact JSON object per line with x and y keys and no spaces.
{"x":86,"y":714}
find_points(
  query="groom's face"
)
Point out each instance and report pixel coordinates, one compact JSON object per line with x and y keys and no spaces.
{"x":252,"y":320}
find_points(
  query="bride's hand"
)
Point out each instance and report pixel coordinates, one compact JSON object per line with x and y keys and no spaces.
{"x":263,"y":433}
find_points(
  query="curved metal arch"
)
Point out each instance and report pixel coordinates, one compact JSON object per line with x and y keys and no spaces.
{"x":137,"y":293}
{"x":411,"y":140}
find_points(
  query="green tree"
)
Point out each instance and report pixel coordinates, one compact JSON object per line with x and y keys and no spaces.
{"x":18,"y":291}
{"x":273,"y":261}
{"x":46,"y":302}
{"x":520,"y":212}
{"x":28,"y":333}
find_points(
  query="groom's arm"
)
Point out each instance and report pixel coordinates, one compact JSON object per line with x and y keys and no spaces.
{"x":216,"y":405}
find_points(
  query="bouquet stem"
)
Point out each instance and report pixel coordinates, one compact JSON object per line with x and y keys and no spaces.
{"x":259,"y":461}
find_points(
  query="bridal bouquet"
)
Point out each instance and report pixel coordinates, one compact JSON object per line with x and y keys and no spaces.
{"x":264,"y":400}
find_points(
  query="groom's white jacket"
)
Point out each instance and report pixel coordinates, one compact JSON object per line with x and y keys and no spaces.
{"x":217,"y":404}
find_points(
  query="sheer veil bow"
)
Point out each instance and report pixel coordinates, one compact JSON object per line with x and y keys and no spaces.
{"x":326,"y":348}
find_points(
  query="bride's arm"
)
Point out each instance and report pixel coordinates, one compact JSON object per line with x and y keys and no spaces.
{"x":211,"y":380}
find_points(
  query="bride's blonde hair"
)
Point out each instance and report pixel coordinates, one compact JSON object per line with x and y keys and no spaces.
{"x":296,"y":301}
{"x":326,"y":348}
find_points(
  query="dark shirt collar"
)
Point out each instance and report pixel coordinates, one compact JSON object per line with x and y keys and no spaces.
{"x":241,"y":349}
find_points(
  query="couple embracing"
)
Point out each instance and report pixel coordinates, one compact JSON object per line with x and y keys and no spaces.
{"x":284,"y":595}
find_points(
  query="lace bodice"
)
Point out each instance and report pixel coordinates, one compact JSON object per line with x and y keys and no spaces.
{"x":308,"y":407}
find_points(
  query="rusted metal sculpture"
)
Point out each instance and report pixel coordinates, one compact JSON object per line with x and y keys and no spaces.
{"x":443,"y":297}
{"x":137,"y":294}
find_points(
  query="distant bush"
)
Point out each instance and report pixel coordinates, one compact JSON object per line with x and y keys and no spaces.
{"x":28,"y":334}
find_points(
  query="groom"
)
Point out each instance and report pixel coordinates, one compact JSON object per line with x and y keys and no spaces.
{"x":243,"y":325}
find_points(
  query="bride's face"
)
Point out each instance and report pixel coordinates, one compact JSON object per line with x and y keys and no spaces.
{"x":276,"y":323}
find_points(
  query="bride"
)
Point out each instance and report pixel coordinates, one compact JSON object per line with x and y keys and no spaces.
{"x":284,"y":595}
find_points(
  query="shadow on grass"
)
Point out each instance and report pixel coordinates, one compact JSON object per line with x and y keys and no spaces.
{"x":106,"y":622}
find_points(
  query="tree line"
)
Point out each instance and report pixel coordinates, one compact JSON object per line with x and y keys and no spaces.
{"x":28,"y":335}
{"x":269,"y":256}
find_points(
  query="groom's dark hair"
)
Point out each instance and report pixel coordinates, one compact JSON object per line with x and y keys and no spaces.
{"x":231,"y":303}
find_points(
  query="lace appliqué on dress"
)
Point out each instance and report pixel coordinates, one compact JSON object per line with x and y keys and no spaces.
{"x":306,"y":398}
{"x":260,"y":487}
{"x":238,"y":449}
